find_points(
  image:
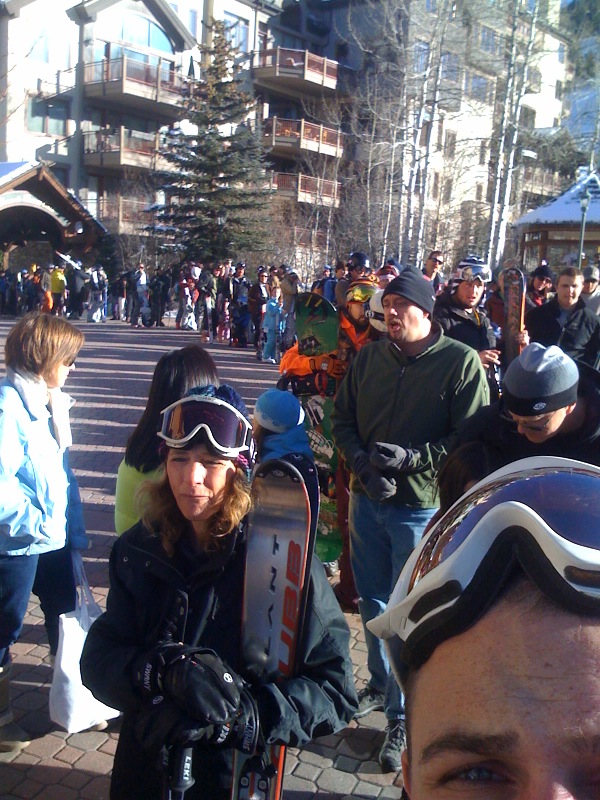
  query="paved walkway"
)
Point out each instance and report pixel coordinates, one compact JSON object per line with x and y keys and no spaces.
{"x":110,"y":385}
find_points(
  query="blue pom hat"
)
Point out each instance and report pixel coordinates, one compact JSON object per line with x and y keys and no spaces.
{"x":278,"y":411}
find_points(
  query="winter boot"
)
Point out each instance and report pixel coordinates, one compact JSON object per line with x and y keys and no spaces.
{"x":12,"y":737}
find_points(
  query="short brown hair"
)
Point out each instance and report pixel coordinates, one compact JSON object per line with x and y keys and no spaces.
{"x":38,"y":343}
{"x":570,"y":272}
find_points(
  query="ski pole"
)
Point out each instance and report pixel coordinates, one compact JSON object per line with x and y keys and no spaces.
{"x":180,"y":772}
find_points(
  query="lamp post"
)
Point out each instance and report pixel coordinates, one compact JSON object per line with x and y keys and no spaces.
{"x":584,"y":202}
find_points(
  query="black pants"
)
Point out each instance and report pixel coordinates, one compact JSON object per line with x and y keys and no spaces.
{"x":54,"y":584}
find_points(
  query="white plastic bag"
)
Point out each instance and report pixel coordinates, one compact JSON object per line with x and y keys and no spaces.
{"x":72,"y":705}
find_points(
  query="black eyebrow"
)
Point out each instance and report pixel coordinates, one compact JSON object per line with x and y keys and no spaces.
{"x":462,"y":742}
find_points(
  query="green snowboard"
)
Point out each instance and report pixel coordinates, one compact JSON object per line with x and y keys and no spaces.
{"x":316,"y":325}
{"x":317,"y":330}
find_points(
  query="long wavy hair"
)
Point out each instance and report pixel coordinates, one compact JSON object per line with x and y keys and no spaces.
{"x":161,"y":514}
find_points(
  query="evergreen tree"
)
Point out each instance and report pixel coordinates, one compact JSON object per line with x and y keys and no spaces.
{"x":217,"y":196}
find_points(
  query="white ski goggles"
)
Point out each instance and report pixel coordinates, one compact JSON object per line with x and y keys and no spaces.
{"x":226,"y":428}
{"x":539,"y":514}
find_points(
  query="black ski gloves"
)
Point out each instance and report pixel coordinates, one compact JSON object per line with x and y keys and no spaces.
{"x":391,"y":458}
{"x":375,"y":484}
{"x":205,"y":689}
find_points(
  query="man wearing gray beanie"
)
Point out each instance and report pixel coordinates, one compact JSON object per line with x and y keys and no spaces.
{"x":550,"y":407}
{"x":396,"y":414}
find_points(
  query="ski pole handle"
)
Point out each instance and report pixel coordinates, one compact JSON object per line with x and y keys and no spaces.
{"x":180,"y":772}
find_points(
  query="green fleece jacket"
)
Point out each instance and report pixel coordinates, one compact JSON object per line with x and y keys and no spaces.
{"x":417,"y":402}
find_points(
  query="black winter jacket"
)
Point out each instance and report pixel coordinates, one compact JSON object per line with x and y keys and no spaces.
{"x":198,"y":600}
{"x":492,"y":428}
{"x":580,"y":337}
{"x":474,"y":330}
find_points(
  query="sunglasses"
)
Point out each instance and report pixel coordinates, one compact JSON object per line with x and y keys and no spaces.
{"x":70,"y":363}
{"x":529,"y":426}
{"x":226,"y":428}
{"x":539,"y":514}
{"x":437,"y":261}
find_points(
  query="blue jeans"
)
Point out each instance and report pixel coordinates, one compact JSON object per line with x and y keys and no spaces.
{"x":382,"y":536}
{"x":270,"y":346}
{"x":17,"y":574}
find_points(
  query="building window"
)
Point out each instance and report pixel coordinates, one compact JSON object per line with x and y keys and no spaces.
{"x":490,"y":41}
{"x":421,"y":57}
{"x":193,"y":25}
{"x":263,"y":36}
{"x":47,"y":116}
{"x":558,"y":90}
{"x":479,"y":193}
{"x":431,"y":6}
{"x":478,"y":87}
{"x":482,"y":153}
{"x":534,"y":79}
{"x":237,"y":31}
{"x":527,"y":118}
{"x":450,"y":67}
{"x":440,"y":133}
{"x":450,"y":144}
{"x":561,"y":53}
{"x":447,"y":194}
{"x":39,"y":50}
{"x":435,"y":188}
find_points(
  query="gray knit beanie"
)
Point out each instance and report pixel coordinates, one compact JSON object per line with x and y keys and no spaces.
{"x":540,"y":380}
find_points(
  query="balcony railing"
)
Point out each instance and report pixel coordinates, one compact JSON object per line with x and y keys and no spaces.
{"x":298,"y":134}
{"x":124,"y":212}
{"x":299,"y":64}
{"x":120,"y":147}
{"x":134,"y":78}
{"x":306,"y":188}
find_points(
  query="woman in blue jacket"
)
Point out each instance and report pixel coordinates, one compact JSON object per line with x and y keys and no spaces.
{"x":39,"y":497}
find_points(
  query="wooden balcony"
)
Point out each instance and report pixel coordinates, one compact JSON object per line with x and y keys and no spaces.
{"x":117,"y":148}
{"x":307,"y":189}
{"x":287,"y":137}
{"x":129,"y":83}
{"x":295,"y":70}
{"x":124,"y":214}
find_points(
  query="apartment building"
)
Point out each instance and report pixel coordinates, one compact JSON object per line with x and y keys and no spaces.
{"x":462,"y":50}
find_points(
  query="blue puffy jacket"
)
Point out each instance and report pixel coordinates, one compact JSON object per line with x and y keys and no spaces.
{"x":39,"y":496}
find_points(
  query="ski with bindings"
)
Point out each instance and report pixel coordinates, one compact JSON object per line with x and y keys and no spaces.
{"x":279,"y":552}
{"x":514,"y":310}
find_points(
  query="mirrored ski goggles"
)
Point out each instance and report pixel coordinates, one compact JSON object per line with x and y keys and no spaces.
{"x":542,"y":515}
{"x":472,"y":274}
{"x":360,"y":292}
{"x":226,"y":429}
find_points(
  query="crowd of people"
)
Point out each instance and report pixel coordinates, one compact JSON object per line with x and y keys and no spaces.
{"x":472,"y":521}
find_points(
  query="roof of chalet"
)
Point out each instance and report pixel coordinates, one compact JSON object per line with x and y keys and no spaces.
{"x":87,"y":10}
{"x":38,"y":180}
{"x":566,"y":208}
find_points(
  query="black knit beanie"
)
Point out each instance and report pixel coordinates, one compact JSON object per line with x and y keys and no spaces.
{"x":411,"y":285}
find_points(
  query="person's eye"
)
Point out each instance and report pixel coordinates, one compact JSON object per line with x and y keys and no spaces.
{"x":479,"y":773}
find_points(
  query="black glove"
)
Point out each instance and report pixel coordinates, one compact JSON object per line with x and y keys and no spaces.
{"x":203,"y":687}
{"x":217,"y":708}
{"x":242,"y":732}
{"x":375,"y":484}
{"x":393,"y":458}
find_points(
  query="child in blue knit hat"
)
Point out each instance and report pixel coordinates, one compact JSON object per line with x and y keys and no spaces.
{"x":279,"y":426}
{"x":279,"y":432}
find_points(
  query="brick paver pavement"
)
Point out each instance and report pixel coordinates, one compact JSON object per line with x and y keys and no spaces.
{"x":110,"y":384}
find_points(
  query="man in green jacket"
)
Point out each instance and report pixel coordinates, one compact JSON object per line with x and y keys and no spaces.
{"x":397,"y":412}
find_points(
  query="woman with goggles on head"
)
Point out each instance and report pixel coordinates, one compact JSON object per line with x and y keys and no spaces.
{"x":493,"y":631}
{"x":167,"y":652}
